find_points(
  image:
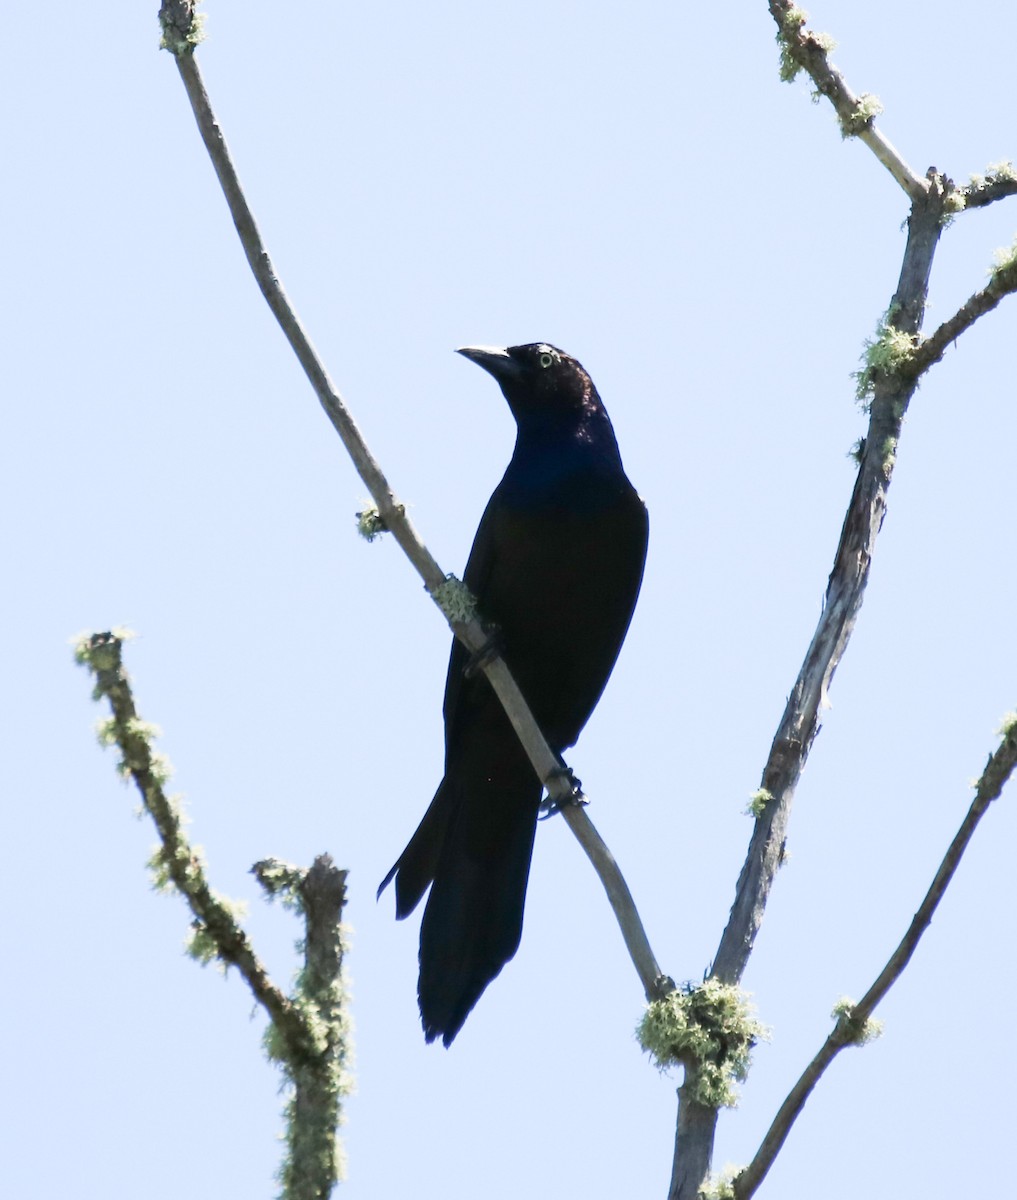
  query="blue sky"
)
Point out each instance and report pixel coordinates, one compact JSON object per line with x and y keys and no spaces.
{"x":639,"y":188}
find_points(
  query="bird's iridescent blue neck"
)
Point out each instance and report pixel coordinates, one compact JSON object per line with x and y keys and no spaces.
{"x":563,"y":458}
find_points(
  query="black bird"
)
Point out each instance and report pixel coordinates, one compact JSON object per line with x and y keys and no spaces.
{"x":556,"y":566}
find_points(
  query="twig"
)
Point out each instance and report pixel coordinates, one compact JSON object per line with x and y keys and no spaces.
{"x":988,"y":789}
{"x":306,"y":1035}
{"x":391,"y":513}
{"x":655,"y":984}
{"x":1000,"y":182}
{"x":931,"y":350}
{"x":810,"y":52}
{"x":102,"y":654}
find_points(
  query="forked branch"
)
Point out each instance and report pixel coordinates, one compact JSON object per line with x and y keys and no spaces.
{"x":307,"y":1033}
{"x":852,"y":1025}
{"x":897,"y":360}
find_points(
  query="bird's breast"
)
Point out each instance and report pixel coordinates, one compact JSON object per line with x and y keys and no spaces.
{"x":561,"y":589}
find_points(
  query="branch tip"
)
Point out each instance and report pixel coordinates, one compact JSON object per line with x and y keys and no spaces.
{"x":182,"y":27}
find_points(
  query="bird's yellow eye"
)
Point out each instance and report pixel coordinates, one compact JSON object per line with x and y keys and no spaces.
{"x":546,"y":359}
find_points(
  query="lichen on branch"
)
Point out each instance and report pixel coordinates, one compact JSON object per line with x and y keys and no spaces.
{"x":308,"y":1032}
{"x":709,"y":1028}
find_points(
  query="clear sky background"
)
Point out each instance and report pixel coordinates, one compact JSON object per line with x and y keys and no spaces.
{"x":635,"y":185}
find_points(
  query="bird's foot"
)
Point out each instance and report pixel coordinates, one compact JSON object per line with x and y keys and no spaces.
{"x":487,"y":653}
{"x":550,"y":805}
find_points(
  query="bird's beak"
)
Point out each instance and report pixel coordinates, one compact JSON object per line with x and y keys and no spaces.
{"x":496,"y":360}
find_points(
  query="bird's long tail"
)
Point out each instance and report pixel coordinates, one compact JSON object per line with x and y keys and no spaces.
{"x":474,"y":916}
{"x":475,"y":843}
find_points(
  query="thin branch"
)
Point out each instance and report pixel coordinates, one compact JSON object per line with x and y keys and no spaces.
{"x":306,"y":1035}
{"x":1000,"y":182}
{"x":392,"y":514}
{"x":845,"y":1032}
{"x":810,"y":52}
{"x":1002,"y":283}
{"x":655,"y":984}
{"x":178,"y":863}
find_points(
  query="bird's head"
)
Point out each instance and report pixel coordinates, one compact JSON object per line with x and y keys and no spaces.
{"x":538,"y":380}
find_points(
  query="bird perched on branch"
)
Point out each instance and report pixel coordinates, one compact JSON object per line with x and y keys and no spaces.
{"x":556,"y":566}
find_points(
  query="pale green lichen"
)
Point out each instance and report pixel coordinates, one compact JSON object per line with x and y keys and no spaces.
{"x":720,"y":1186}
{"x":884,"y":355}
{"x":106,"y":732}
{"x":1004,"y":169}
{"x":313,"y":1149}
{"x":202,"y":944}
{"x":135,"y":739}
{"x":999,"y":172}
{"x":954,"y":201}
{"x":791,"y":22}
{"x":455,"y":600}
{"x":281,"y":881}
{"x":179,"y":40}
{"x":370,"y":524}
{"x":790,"y":37}
{"x":758,"y":802}
{"x":859,"y":1032}
{"x":709,"y":1028}
{"x":995,"y":173}
{"x":862,"y":116}
{"x":100,"y":650}
{"x":182,"y":867}
{"x":1004,"y":265}
{"x":1007,"y":725}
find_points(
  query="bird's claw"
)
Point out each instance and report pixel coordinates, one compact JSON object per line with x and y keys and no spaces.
{"x":487,"y":653}
{"x":550,"y":806}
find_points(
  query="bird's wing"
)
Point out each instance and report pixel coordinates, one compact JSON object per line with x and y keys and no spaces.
{"x":479,"y":568}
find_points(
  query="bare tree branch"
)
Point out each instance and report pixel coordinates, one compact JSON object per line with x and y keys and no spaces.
{"x":891,"y":392}
{"x":313,"y":1162}
{"x":307,"y":1034}
{"x":1000,"y":182}
{"x":799,"y":725}
{"x":178,"y":862}
{"x":1003,"y":282}
{"x":809,"y":51}
{"x":846,"y":1031}
{"x":655,"y":984}
{"x":392,"y":514}
{"x":889,"y":381}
